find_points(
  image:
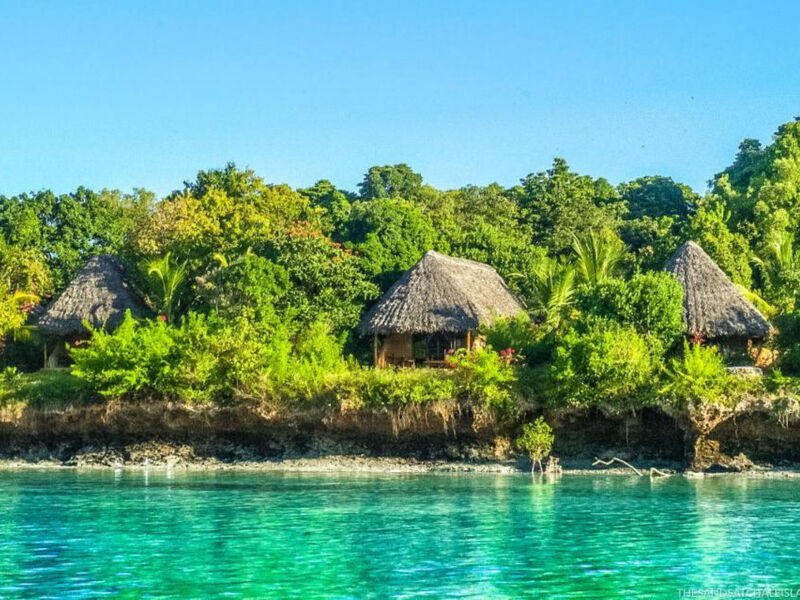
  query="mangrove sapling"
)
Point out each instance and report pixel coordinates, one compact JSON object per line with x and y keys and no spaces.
{"x":537,"y":440}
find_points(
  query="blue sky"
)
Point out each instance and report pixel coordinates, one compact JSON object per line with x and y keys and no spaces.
{"x":138,"y":94}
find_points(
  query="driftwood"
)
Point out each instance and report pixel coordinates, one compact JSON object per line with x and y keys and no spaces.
{"x":653,"y":470}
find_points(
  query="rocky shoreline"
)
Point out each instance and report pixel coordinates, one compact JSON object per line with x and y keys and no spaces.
{"x":162,"y":456}
{"x":179,"y":437}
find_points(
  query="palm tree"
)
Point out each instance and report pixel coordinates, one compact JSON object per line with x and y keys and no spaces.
{"x":170,"y":277}
{"x":552,"y":286}
{"x":598,"y":255}
{"x":779,"y":264}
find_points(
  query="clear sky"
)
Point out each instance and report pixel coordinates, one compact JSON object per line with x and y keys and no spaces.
{"x":144,"y":94}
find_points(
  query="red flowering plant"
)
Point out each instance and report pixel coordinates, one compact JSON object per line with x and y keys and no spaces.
{"x":510,"y":356}
{"x":448,"y":359}
{"x":697,"y":338}
{"x":162,"y":318}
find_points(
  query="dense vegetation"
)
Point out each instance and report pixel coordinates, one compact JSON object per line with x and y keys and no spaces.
{"x":260,"y":286}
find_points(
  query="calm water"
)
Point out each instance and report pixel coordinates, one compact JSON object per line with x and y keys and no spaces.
{"x":85,"y":535}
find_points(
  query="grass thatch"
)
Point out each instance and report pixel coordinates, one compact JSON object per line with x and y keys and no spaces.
{"x":712,"y":305}
{"x":441,"y":293}
{"x":99,"y":294}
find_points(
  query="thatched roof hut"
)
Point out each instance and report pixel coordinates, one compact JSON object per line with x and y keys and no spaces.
{"x":713,"y":307}
{"x":99,"y":294}
{"x":435,"y":306}
{"x":441,"y":293}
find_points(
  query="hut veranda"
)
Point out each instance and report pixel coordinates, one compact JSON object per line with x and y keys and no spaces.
{"x":99,"y":295}
{"x":436,"y":306}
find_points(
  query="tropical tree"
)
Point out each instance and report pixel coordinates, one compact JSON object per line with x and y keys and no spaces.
{"x":708,"y":226}
{"x":779,"y":268}
{"x":390,"y":181}
{"x":551,"y":284}
{"x":559,"y":202}
{"x":169,"y":277}
{"x":598,"y":256}
{"x":656,"y":197}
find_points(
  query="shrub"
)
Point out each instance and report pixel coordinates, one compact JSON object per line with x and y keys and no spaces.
{"x":517,"y":332}
{"x":360,"y":387}
{"x":606,"y":364}
{"x":315,"y":356}
{"x":485,"y":378}
{"x":651,"y":303}
{"x":537,"y":440}
{"x":208,"y":358}
{"x":789,"y":341}
{"x":699,"y":376}
{"x":136,"y":357}
{"x":202,"y":359}
{"x":214,"y":359}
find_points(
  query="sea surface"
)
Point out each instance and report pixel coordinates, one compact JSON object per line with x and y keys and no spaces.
{"x":134,"y":534}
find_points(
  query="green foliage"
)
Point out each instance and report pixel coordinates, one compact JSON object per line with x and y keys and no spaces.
{"x":390,"y":181}
{"x":698,"y":377}
{"x":650,"y":302}
{"x":708,"y":226}
{"x":657,"y":197}
{"x":561,"y":203}
{"x":779,"y":268}
{"x":51,"y":389}
{"x":598,"y":255}
{"x":335,"y":203}
{"x":250,"y":287}
{"x":64,"y":231}
{"x":359,"y":388}
{"x":603,"y":363}
{"x":551,"y":288}
{"x":788,"y":341}
{"x":536,"y":439}
{"x":519,"y":333}
{"x":168,"y":276}
{"x":488,"y":225}
{"x":135,"y":357}
{"x":390,"y":235}
{"x":653,"y":240}
{"x":326,"y":282}
{"x":485,"y":378}
{"x":205,"y":358}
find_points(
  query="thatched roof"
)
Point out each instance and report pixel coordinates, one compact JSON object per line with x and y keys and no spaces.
{"x":712,"y":305}
{"x":441,"y":293}
{"x":99,"y":294}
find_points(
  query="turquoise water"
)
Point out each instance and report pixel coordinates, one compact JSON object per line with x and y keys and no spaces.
{"x":66,"y":534}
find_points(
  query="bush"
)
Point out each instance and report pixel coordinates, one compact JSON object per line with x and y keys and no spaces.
{"x":603,"y":363}
{"x":789,"y":342}
{"x":216,"y":360}
{"x":202,"y":359}
{"x":698,"y":377}
{"x":519,"y":333}
{"x":485,"y":378}
{"x":136,"y":357}
{"x":651,"y":303}
{"x":208,"y":358}
{"x":360,"y":387}
{"x":537,"y":440}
